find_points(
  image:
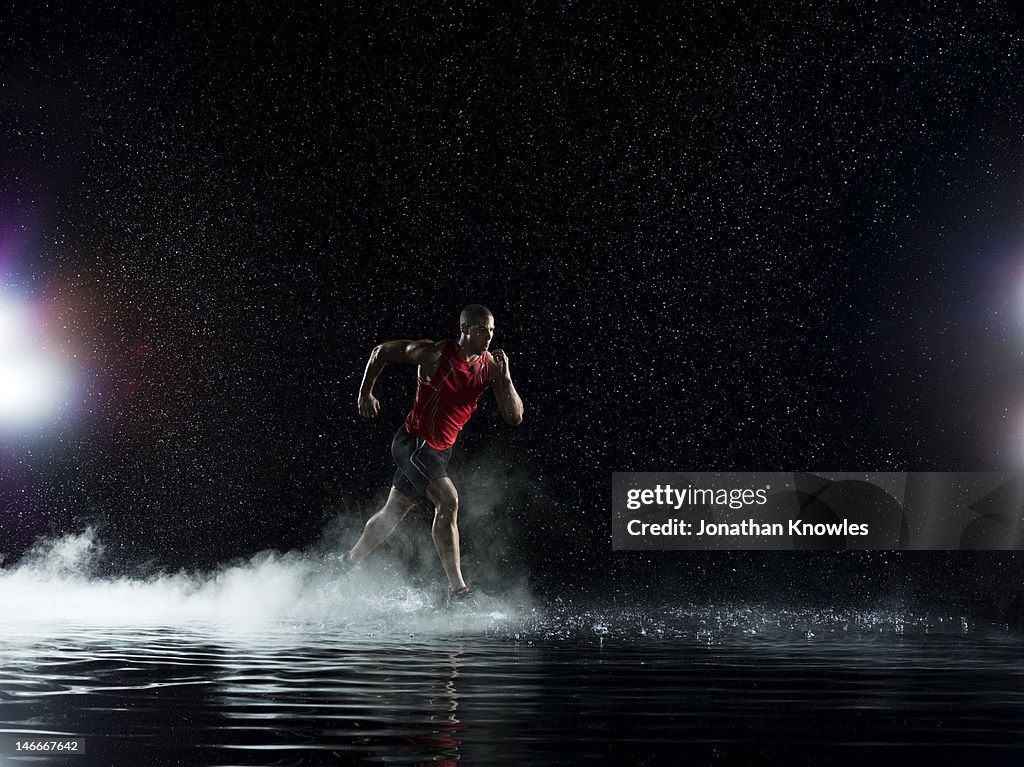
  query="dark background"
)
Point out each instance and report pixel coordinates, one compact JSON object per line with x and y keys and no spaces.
{"x":713,"y":237}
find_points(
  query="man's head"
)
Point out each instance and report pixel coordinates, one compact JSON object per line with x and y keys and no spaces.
{"x":477,"y":325}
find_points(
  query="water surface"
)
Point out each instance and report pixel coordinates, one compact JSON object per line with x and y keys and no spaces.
{"x":398,"y":682}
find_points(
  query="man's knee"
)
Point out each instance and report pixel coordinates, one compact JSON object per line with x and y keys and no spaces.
{"x":447,"y":509}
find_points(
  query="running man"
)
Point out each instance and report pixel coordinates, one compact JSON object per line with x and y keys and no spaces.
{"x":452,"y":376}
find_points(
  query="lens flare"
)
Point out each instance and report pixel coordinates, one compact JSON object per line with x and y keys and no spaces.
{"x":35,"y":386}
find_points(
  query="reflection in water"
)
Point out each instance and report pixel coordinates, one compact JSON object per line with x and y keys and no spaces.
{"x":445,"y":739}
{"x":375,"y":700}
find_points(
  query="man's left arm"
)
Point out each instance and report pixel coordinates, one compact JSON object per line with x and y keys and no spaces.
{"x":509,"y":404}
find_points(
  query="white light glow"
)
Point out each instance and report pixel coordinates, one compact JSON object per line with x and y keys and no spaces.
{"x":31,"y":390}
{"x":34,"y":385}
{"x":12,"y":325}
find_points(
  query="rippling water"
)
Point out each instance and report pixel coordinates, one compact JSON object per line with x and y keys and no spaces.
{"x":400,"y":683}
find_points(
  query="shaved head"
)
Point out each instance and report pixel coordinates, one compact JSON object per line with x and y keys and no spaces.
{"x":473,"y":314}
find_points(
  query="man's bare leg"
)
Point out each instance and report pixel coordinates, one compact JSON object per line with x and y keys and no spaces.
{"x":380,"y":526}
{"x":445,"y":530}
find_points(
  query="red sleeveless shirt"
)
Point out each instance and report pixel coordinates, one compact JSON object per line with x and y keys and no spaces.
{"x":443,"y":404}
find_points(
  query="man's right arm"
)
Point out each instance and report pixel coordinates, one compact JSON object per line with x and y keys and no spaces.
{"x":423,"y":352}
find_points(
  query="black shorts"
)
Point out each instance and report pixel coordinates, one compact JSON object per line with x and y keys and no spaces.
{"x":418,"y":464}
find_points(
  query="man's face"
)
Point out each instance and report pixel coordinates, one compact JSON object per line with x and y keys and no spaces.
{"x":480,"y":334}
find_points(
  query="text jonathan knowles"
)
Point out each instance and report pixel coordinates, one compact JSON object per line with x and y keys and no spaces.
{"x":746,"y":528}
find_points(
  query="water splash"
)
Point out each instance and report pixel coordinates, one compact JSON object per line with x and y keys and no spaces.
{"x":56,"y":583}
{"x":279,"y":593}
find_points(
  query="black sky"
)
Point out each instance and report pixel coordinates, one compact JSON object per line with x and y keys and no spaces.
{"x":714,"y":236}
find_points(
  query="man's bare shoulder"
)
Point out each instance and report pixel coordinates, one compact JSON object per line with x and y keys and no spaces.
{"x":413,"y":352}
{"x":429,"y":351}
